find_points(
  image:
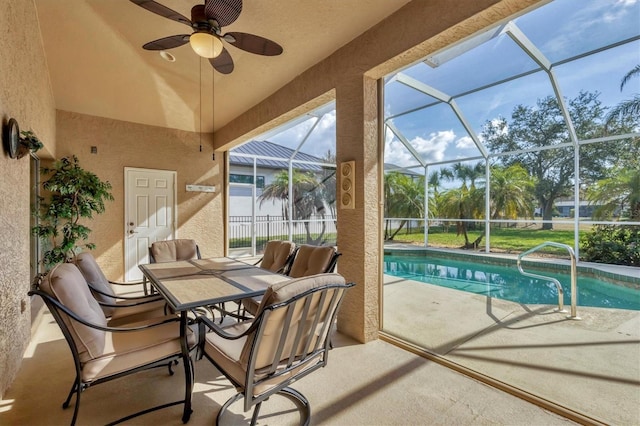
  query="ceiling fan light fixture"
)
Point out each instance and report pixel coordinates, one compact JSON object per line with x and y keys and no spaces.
{"x":206,"y":44}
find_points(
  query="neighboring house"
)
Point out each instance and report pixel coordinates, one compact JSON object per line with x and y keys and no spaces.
{"x":270,"y":159}
{"x":566,"y":208}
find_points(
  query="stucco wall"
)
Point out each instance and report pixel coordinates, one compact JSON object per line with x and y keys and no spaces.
{"x":123,"y":144}
{"x":25,"y":94}
{"x":420,"y":28}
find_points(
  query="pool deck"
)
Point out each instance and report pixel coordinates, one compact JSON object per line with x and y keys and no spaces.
{"x":591,"y":365}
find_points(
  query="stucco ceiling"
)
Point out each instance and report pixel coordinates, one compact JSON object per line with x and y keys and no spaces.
{"x":97,"y":65}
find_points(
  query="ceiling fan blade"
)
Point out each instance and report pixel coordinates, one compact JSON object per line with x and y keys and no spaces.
{"x":163,"y":11}
{"x":223,"y":62}
{"x":224,"y":12}
{"x":167,"y":42}
{"x":254,"y":44}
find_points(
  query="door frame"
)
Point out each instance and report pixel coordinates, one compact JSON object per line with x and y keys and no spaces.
{"x":174,"y":174}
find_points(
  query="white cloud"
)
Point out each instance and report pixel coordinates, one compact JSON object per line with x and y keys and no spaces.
{"x":396,"y":153}
{"x":465,"y":142}
{"x":431,"y":149}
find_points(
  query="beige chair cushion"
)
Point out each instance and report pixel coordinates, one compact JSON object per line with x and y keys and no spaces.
{"x":65,"y":283}
{"x":172,"y":250}
{"x":233,"y":355}
{"x":103,"y":353}
{"x":93,"y":274}
{"x":311,"y":260}
{"x":127,"y":310}
{"x":275,"y":255}
{"x":125,"y":350}
{"x":154,"y":311}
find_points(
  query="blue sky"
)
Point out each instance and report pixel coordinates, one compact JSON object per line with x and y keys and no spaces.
{"x":561,"y":29}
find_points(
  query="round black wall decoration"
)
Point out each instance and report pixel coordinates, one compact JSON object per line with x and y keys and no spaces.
{"x":12,"y":138}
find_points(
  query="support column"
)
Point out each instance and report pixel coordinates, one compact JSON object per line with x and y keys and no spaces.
{"x":359,"y":228}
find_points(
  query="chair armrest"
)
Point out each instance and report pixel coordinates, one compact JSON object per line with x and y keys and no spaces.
{"x":50,"y":300}
{"x":205,"y":321}
{"x":126,"y":284}
{"x":142,"y":298}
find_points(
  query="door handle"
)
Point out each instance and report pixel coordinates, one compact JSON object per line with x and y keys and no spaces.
{"x":131,"y":231}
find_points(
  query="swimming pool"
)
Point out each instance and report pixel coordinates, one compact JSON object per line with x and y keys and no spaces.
{"x":506,"y":282}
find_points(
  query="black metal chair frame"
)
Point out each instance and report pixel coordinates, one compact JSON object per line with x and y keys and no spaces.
{"x":320,"y":350}
{"x":135,"y":300}
{"x":79,"y":386}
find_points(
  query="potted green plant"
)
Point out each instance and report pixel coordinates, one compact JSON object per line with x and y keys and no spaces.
{"x":29,"y":142}
{"x":72,"y":194}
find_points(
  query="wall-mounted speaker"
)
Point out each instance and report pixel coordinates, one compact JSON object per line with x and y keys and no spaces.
{"x":348,"y":185}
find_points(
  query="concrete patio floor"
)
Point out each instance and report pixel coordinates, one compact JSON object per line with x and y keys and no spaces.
{"x":363,"y":384}
{"x":591,"y":366}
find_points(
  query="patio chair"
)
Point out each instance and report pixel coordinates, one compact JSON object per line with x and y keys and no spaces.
{"x":102,"y":353}
{"x":172,"y":250}
{"x":277,"y":256}
{"x":118,"y":308}
{"x":307,"y":260}
{"x":311,"y":260}
{"x":287,"y":340}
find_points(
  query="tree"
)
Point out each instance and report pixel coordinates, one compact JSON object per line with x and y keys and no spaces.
{"x":466,"y":202}
{"x":307,"y":199}
{"x":73,"y":194}
{"x":463,"y":203}
{"x":328,"y":181}
{"x":619,"y":193}
{"x":544,"y":126}
{"x":511,"y":192}
{"x":628,"y":107}
{"x":404,"y":198}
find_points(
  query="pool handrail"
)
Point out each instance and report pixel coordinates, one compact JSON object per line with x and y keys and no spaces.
{"x":574,"y":276}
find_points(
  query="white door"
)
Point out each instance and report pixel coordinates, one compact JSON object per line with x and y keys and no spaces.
{"x":150,"y":214}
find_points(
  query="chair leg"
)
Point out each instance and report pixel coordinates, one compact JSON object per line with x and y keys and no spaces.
{"x":77,"y":389}
{"x":226,"y":405}
{"x":256,"y":411}
{"x":301,"y":401}
{"x":65,"y":404}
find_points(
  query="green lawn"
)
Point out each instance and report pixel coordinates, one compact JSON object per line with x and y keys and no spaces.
{"x":509,"y":240}
{"x":505,"y":240}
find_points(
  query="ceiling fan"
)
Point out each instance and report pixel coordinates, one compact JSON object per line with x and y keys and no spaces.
{"x":206,"y":40}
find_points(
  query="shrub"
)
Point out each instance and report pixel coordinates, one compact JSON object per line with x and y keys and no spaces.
{"x":615,"y":244}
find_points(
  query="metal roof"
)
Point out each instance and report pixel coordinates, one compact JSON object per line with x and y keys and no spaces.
{"x":268,"y":155}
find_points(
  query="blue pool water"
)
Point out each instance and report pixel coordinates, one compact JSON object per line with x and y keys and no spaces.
{"x":503,"y":282}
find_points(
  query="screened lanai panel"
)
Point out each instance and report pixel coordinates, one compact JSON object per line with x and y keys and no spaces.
{"x":567,"y":28}
{"x":314,"y":136}
{"x":437,"y":134}
{"x":397,"y":156}
{"x":400,"y":98}
{"x":496,"y":109}
{"x":600,"y":75}
{"x":471,"y":69}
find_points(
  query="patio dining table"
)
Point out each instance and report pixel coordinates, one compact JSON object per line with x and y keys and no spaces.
{"x":190,"y":284}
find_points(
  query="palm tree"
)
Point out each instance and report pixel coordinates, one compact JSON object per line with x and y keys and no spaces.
{"x":404,"y":198}
{"x":511,"y":192}
{"x":616,"y":194}
{"x":307,"y":199}
{"x":463,"y":203}
{"x":628,"y":107}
